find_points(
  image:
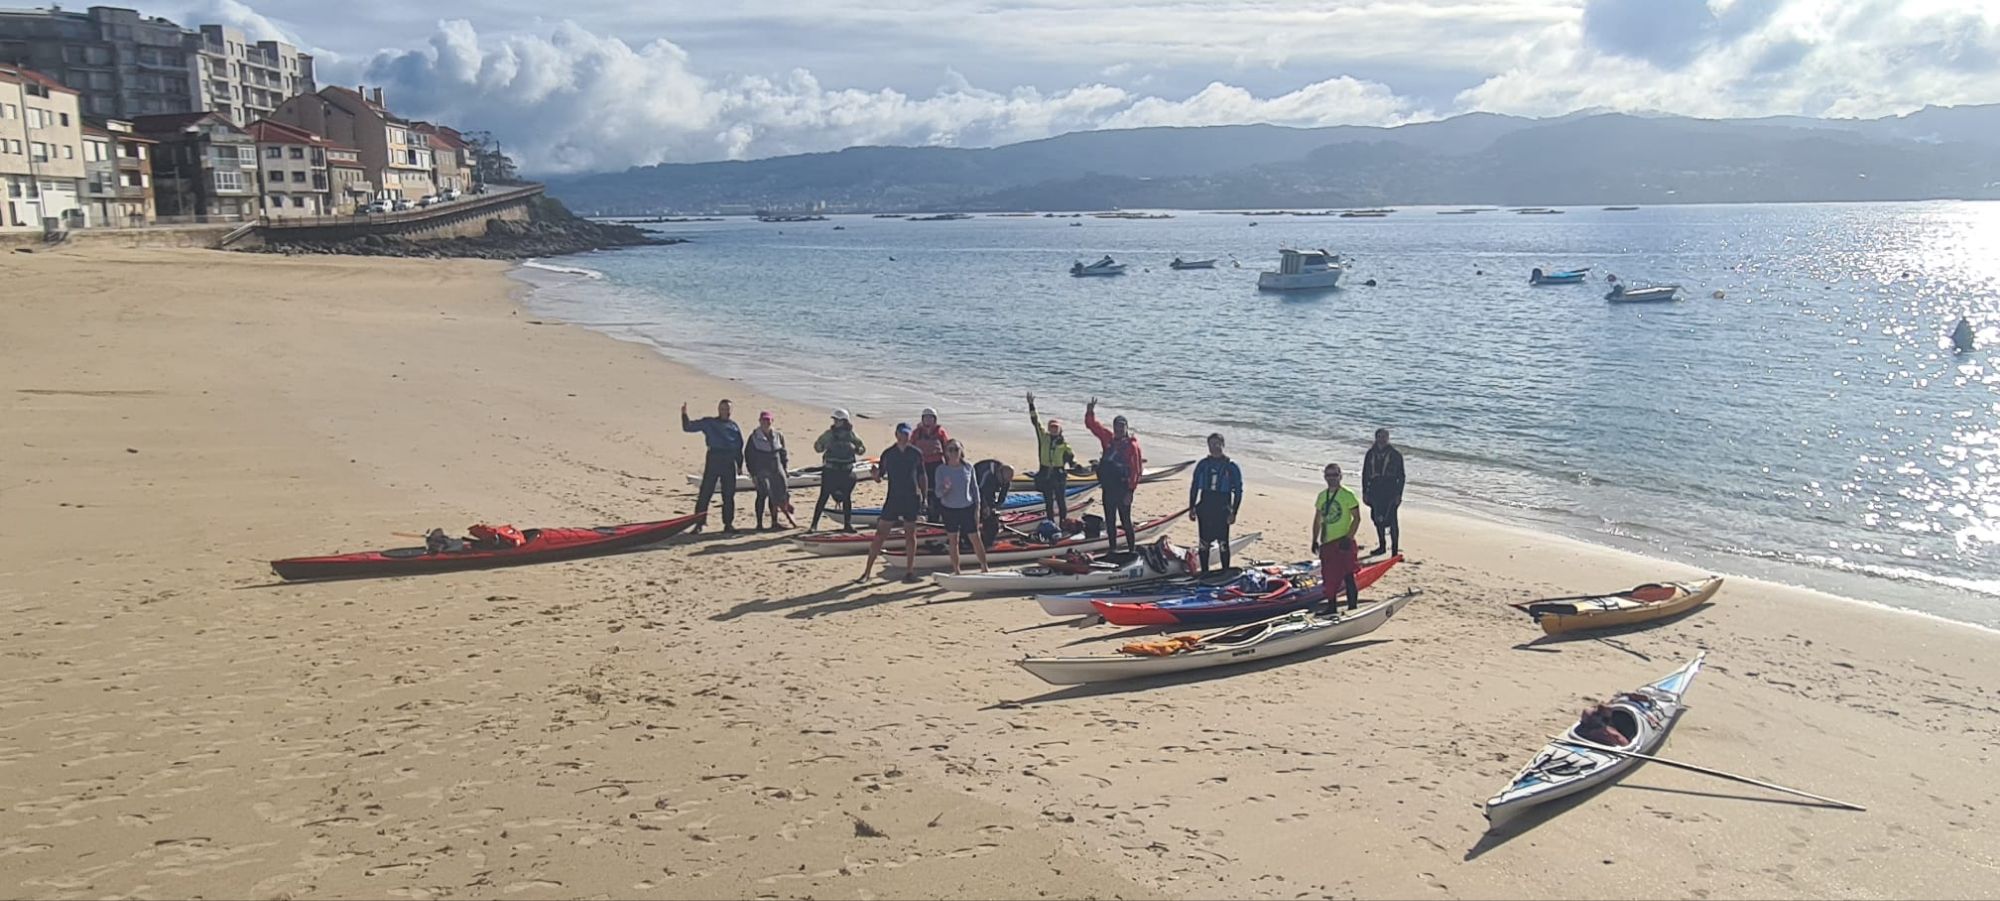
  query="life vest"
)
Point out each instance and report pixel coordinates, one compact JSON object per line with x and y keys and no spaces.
{"x":497,"y":536}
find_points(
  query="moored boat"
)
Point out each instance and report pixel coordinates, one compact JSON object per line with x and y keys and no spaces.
{"x":1643,"y":603}
{"x":1564,"y":277}
{"x":1265,"y":640}
{"x":1657,"y":294}
{"x":1179,"y":263}
{"x":1569,"y":764}
{"x":1302,"y":270}
{"x":1105,"y":266}
{"x":1155,"y":562}
{"x":537,"y":546}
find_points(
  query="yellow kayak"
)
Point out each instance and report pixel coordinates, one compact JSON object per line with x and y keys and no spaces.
{"x":1024,"y":480}
{"x":1641,"y":604}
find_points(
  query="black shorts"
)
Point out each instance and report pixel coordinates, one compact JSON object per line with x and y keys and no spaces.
{"x":960,"y":520}
{"x":900,"y":509}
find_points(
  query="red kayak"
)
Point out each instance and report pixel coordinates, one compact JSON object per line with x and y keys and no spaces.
{"x":1215,"y":607}
{"x":542,"y":546}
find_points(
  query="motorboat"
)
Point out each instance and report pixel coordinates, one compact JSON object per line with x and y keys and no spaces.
{"x":1302,"y":270}
{"x":1102,"y":267}
{"x":1179,"y":263}
{"x":1565,"y":277}
{"x":1656,"y":294}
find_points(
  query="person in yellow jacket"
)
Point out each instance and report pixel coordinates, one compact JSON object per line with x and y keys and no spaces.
{"x":1337,"y":514}
{"x":1053,"y":458}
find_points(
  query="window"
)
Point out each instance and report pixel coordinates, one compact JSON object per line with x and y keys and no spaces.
{"x":9,"y":111}
{"x":39,"y":151}
{"x":228,"y":180}
{"x":298,"y":153}
{"x":298,"y":202}
{"x":318,"y":157}
{"x":68,"y":152}
{"x":65,"y":119}
{"x":274,"y":153}
{"x":299,"y":177}
{"x":274,"y":177}
{"x":95,"y":151}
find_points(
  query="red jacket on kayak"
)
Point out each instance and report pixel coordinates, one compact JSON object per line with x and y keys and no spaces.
{"x":1127,"y":448}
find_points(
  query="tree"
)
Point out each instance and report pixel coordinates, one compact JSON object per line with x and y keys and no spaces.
{"x":489,"y":164}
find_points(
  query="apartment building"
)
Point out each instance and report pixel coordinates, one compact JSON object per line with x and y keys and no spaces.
{"x":41,"y":152}
{"x":292,"y":175}
{"x":118,"y":175}
{"x":128,"y":65}
{"x":204,"y":167}
{"x":241,"y":79}
{"x":451,"y":164}
{"x":397,"y":157}
{"x":351,"y":187}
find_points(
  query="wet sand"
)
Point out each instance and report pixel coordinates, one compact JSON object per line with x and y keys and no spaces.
{"x":729,"y":717}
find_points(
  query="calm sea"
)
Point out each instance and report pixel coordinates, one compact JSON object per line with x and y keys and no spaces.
{"x":1800,"y":417}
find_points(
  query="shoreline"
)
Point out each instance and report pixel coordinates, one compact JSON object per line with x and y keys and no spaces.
{"x":721,"y":717}
{"x":811,"y":389}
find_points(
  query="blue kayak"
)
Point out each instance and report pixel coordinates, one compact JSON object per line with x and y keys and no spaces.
{"x":1255,"y":596}
{"x":1019,"y":500}
{"x":1567,"y":277}
{"x":1081,"y":603}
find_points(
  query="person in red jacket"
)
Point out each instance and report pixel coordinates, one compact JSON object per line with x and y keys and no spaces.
{"x":1117,"y":474}
{"x":929,"y":439}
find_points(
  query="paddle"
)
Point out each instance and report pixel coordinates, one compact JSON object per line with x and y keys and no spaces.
{"x":1564,"y":739}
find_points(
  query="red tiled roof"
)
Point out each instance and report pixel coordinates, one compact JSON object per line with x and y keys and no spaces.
{"x":269,"y":132}
{"x":37,"y":78}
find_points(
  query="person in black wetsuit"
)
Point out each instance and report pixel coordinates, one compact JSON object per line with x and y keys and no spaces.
{"x":996,"y":481}
{"x":1382,"y":489}
{"x":1213,"y":498}
{"x":903,"y":465}
{"x":723,"y":463}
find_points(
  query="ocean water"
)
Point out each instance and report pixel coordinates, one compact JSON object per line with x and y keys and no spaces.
{"x":1810,"y":424}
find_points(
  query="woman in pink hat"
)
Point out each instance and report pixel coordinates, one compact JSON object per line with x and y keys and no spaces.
{"x":765,"y":457}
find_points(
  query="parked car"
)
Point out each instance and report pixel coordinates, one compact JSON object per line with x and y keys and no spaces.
{"x":428,"y":200}
{"x":448,"y":194}
{"x":479,"y":188}
{"x":371,"y":208}
{"x":399,"y":205}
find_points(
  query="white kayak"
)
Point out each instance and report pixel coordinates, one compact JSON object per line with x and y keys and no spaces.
{"x":933,"y":554}
{"x":836,"y":544}
{"x":807,"y":477}
{"x":1019,"y":500}
{"x":1275,"y":637}
{"x":1154,"y":562}
{"x":1570,"y":764}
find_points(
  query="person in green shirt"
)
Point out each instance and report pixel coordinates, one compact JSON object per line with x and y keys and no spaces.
{"x":1053,"y":458}
{"x":1337,"y":514}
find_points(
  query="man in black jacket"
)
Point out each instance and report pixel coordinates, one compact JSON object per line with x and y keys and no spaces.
{"x":1382,"y":490}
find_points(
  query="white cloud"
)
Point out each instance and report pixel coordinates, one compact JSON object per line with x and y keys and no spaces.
{"x":578,"y":101}
{"x":1755,"y":57}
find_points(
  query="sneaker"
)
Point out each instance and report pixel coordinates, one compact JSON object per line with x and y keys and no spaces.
{"x":1377,"y":552}
{"x":728,"y":530}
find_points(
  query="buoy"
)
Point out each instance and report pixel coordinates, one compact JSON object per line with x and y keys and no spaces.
{"x":1717,"y":295}
{"x":1370,"y":283}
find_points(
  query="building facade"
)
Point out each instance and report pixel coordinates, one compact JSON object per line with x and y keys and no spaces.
{"x":118,"y":175}
{"x":351,"y":187}
{"x":41,"y":152}
{"x":128,"y":65}
{"x":450,"y":160}
{"x":293,"y":179}
{"x":397,"y":158}
{"x":204,"y":167}
{"x":241,"y":79}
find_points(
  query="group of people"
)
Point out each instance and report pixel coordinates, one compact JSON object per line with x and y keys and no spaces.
{"x":931,"y":481}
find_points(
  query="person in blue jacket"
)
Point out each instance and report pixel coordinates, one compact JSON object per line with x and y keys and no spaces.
{"x":724,"y":462}
{"x":1213,"y":498}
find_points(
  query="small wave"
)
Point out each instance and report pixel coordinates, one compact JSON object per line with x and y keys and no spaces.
{"x":566,"y":270}
{"x":1988,"y":587}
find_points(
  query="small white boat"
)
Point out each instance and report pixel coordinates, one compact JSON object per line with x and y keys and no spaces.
{"x":1160,"y":561}
{"x":1275,"y":637}
{"x":1569,"y":764}
{"x":1302,"y":270}
{"x":807,"y":477}
{"x":1179,"y":263}
{"x":1961,"y":336}
{"x":1102,"y":267}
{"x":1657,"y":294}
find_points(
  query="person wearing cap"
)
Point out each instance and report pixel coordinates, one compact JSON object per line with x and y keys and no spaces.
{"x":723,"y":463}
{"x":1053,"y":459}
{"x":838,"y":448}
{"x":903,"y":466}
{"x":1213,"y":498}
{"x":1337,"y":515}
{"x":958,"y":503}
{"x":765,"y":456}
{"x":929,"y":439}
{"x":1117,"y":473}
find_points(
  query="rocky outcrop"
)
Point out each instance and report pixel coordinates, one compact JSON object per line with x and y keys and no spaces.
{"x":551,"y":230}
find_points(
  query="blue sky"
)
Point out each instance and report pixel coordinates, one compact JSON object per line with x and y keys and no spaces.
{"x":592,"y":85}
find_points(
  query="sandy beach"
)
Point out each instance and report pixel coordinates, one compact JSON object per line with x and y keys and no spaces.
{"x":728,"y":717}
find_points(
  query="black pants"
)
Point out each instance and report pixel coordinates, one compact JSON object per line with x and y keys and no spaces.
{"x":720,"y":472}
{"x":836,"y":484}
{"x":1053,"y":483}
{"x":1213,"y":515}
{"x":1118,"y":505}
{"x":769,"y":482}
{"x":1388,"y":531}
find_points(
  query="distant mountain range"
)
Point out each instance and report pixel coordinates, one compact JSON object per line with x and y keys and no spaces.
{"x":1478,"y":158}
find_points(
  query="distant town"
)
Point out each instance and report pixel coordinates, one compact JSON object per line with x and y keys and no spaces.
{"x":114,"y":119}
